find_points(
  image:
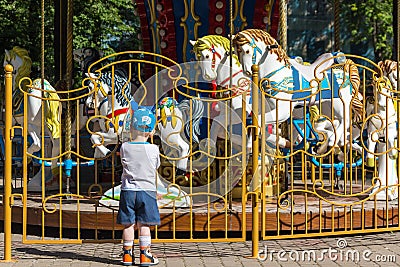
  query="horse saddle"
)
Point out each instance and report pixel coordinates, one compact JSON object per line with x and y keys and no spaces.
{"x":323,"y":62}
{"x":305,"y":79}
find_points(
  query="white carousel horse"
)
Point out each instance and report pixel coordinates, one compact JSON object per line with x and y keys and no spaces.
{"x":382,"y":120}
{"x":281,"y":77}
{"x":115,"y":116}
{"x":113,"y":110}
{"x":212,"y":53}
{"x":382,"y":132}
{"x":20,"y":60}
{"x":87,"y":57}
{"x":173,"y":118}
{"x":321,"y":124}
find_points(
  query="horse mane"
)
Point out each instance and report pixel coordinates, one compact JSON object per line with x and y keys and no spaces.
{"x":198,"y":110}
{"x":388,"y":66}
{"x":207,"y":41}
{"x":242,"y":38}
{"x":52,"y":105}
{"x":123,"y":87}
{"x":357,"y":103}
{"x":25,"y":69}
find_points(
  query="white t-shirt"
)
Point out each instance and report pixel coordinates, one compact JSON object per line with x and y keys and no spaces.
{"x":140,"y":161}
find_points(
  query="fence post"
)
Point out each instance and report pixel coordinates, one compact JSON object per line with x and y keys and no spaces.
{"x":255,"y":196}
{"x":7,"y":164}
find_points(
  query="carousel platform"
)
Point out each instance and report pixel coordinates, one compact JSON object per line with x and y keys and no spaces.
{"x":304,"y":212}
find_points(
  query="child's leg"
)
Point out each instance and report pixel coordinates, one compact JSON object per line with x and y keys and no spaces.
{"x":128,"y":236}
{"x":146,"y":258}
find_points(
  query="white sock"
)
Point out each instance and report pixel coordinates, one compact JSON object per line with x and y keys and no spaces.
{"x":145,"y":241}
{"x":128,"y":243}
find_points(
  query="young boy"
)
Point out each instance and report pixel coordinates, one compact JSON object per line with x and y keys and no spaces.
{"x":138,"y":201}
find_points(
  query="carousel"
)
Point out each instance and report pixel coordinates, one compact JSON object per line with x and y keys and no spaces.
{"x":252,"y":139}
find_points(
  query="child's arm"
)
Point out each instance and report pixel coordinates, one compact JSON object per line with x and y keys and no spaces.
{"x":122,"y":155}
{"x":158,"y":163}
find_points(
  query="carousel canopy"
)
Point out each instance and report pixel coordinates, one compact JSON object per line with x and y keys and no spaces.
{"x":167,"y":26}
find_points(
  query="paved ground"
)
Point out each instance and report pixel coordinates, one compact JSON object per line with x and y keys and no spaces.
{"x":366,"y":250}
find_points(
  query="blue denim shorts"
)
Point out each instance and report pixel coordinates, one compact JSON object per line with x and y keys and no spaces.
{"x":138,"y":207}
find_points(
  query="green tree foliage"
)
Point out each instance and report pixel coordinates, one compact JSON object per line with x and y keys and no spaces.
{"x":21,"y":26}
{"x":370,"y":21}
{"x":109,"y":25}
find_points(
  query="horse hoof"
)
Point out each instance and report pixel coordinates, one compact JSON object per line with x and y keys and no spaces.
{"x":321,"y":148}
{"x":33,"y":148}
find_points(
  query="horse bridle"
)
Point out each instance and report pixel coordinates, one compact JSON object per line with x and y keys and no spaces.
{"x":256,"y":50}
{"x":223,"y":59}
{"x":105,"y":100}
{"x":214,"y":55}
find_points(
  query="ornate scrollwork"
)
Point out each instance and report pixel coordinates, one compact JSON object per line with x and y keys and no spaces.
{"x":319,"y":186}
{"x":58,"y":197}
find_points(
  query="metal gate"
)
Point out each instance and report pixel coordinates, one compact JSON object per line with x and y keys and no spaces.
{"x":79,"y":202}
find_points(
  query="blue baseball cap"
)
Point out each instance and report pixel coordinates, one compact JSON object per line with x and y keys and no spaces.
{"x":143,"y":120}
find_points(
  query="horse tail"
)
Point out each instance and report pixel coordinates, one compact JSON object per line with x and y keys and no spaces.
{"x":357,"y":99}
{"x":388,"y":66}
{"x":52,"y":104}
{"x":197,"y":113}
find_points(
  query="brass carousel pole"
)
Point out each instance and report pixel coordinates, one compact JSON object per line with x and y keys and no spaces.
{"x":336,"y":25}
{"x":284,"y":125}
{"x":255,"y":175}
{"x":396,"y":55}
{"x":69,"y":67}
{"x":396,"y":30}
{"x":396,"y":7}
{"x":7,"y":195}
{"x":283,"y":24}
{"x":230,"y":99}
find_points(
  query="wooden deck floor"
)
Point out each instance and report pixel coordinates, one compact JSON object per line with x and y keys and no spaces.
{"x":306,"y":211}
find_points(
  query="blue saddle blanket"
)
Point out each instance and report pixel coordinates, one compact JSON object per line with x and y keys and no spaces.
{"x":302,"y":89}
